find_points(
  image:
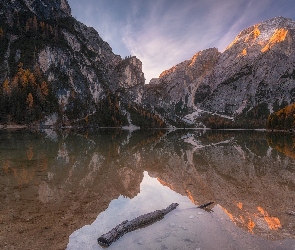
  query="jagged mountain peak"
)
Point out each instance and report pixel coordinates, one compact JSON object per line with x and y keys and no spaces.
{"x":251,"y":78}
{"x":264,"y":35}
{"x":202,"y":54}
{"x":191,"y":64}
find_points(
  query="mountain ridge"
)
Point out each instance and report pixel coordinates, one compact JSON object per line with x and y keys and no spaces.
{"x":89,"y":85}
{"x":255,"y":72}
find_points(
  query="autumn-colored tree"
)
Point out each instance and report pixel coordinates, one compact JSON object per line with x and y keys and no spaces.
{"x":42,"y":25}
{"x":44,"y":88}
{"x":31,"y":77}
{"x":37,"y":72}
{"x":29,"y":24}
{"x":51,"y":30}
{"x":27,"y":27}
{"x":27,"y":97}
{"x":283,"y":119}
{"x":1,"y":33}
{"x":6,"y":87}
{"x":30,"y":100}
{"x":35,"y":23}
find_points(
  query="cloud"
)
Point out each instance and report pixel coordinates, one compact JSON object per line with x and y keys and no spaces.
{"x":167,"y":37}
{"x":252,"y":13}
{"x":171,"y":33}
{"x":162,"y":33}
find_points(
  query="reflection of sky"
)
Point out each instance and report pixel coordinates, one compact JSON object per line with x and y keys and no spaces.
{"x":162,"y":33}
{"x":186,"y":227}
{"x":152,"y":196}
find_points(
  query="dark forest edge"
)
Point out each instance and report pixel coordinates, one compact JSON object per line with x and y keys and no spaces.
{"x":284,"y":119}
{"x":27,"y":100}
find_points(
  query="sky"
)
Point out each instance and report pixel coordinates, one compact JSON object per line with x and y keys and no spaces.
{"x":163,"y":33}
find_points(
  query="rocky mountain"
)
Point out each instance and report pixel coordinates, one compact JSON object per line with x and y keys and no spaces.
{"x":174,"y":90}
{"x":83,"y":80}
{"x":55,"y":70}
{"x":253,"y":77}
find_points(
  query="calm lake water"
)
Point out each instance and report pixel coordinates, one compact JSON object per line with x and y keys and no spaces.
{"x":62,"y":190}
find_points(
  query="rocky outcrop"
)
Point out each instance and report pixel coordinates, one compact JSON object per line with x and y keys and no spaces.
{"x":255,"y":72}
{"x":130,"y":78}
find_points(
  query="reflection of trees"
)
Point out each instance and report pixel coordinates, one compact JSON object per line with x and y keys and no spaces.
{"x":284,"y":143}
{"x":242,"y":175}
{"x":23,"y":157}
{"x":30,"y":153}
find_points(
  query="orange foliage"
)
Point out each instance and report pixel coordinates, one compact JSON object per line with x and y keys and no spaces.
{"x":6,"y":87}
{"x":30,"y":100}
{"x":286,"y":149}
{"x":1,"y":33}
{"x":6,"y":166}
{"x":283,"y":119}
{"x":44,"y":88}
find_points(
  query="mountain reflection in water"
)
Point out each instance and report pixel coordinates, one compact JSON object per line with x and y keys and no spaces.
{"x":53,"y":183}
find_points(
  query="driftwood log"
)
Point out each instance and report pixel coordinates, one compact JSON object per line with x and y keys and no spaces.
{"x":205,"y":205}
{"x":127,"y":226}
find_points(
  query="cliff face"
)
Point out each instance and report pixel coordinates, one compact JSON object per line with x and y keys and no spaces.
{"x":79,"y":67}
{"x":254,"y":74}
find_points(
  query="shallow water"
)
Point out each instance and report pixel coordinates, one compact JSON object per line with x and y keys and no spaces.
{"x":62,"y":190}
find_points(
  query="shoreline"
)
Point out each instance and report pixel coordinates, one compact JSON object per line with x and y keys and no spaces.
{"x":20,"y":126}
{"x":12,"y":126}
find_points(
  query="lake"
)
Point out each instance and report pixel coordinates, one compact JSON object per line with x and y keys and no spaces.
{"x":64,"y":189}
